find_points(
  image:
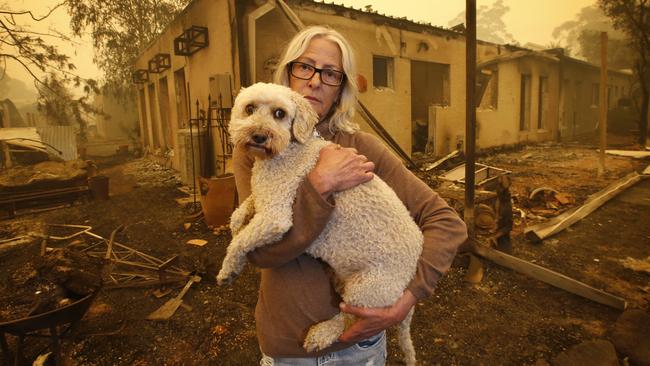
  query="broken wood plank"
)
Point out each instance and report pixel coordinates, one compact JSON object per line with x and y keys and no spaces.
{"x":14,"y":243}
{"x":629,"y":153}
{"x":440,"y":161}
{"x":169,"y":308}
{"x":646,"y":171}
{"x":638,"y":265}
{"x":543,"y":230}
{"x":551,"y":277}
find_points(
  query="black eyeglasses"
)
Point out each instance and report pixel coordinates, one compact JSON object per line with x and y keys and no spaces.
{"x":305,"y":71}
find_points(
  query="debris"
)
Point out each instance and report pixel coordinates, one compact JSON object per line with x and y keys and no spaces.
{"x":187,"y":225}
{"x":145,"y":270}
{"x":475,"y":270}
{"x":14,"y":243}
{"x":536,"y":191}
{"x":527,"y":155}
{"x":483,"y":174}
{"x":26,"y":137}
{"x":197,"y":242}
{"x":486,"y":218}
{"x":629,"y":153}
{"x":169,"y":308}
{"x":221,"y":229}
{"x":433,"y":165}
{"x":646,"y":171}
{"x":551,"y":277}
{"x":543,"y":230}
{"x":42,"y":360}
{"x":158,"y":293}
{"x":638,"y":265}
{"x":184,"y":201}
{"x":564,"y":198}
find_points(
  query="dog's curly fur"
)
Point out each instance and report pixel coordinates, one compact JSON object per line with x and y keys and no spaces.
{"x":371,"y":242}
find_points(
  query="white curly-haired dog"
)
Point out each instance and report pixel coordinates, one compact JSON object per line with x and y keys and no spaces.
{"x":371,"y":242}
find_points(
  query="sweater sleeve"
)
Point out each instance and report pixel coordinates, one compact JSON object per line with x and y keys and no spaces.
{"x":310,"y":215}
{"x":441,"y":226}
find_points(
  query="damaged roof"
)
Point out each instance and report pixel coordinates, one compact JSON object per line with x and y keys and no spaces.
{"x":26,"y":137}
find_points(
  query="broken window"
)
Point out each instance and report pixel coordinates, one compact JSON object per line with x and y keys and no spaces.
{"x":542,"y":105}
{"x":524,"y":103}
{"x":181,"y":98}
{"x":382,"y":72}
{"x":153,"y":115}
{"x":163,"y":104}
{"x":143,"y":117}
{"x":491,"y":97}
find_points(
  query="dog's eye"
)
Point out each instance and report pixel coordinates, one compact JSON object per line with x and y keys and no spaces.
{"x":279,"y":113}
{"x":250,"y":109}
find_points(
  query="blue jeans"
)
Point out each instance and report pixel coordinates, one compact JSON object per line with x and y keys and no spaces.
{"x":372,"y":351}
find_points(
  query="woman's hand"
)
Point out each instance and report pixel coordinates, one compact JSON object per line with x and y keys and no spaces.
{"x":339,"y":168}
{"x":374,"y":320}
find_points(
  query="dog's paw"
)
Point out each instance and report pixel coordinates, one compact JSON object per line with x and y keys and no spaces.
{"x":226,"y":278}
{"x":321,"y":336}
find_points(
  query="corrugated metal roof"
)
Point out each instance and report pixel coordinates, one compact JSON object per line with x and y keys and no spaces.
{"x":26,"y":137}
{"x":63,"y":138}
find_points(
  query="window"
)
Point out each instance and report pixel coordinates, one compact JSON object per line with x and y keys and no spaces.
{"x":524,"y":103}
{"x":491,"y":95}
{"x":382,"y":72}
{"x":181,"y":98}
{"x":595,"y":94}
{"x":163,"y":103}
{"x":542,"y":105}
{"x":608,"y":95}
{"x":153,"y":114}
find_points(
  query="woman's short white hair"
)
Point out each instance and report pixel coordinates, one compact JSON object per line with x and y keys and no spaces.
{"x":341,"y":118}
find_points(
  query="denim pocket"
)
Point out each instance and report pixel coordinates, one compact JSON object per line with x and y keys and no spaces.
{"x":372,"y":341}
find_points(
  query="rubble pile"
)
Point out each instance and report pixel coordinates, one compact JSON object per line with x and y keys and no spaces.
{"x":44,"y":175}
{"x":150,"y":173}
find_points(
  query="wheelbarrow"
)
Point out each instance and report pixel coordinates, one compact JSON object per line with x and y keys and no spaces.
{"x":54,"y":324}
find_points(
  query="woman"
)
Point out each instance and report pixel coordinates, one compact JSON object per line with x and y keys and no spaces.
{"x":295,"y":290}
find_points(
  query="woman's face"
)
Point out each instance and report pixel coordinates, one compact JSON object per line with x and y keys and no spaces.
{"x":322,"y":54}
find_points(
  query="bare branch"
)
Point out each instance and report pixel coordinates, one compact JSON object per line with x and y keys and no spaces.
{"x":12,"y":13}
{"x":24,"y":66}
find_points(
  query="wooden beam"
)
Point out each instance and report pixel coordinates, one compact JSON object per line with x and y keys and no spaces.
{"x":543,"y":230}
{"x":550,"y":277}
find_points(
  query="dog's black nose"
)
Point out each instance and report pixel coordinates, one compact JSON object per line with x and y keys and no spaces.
{"x":259,"y":139}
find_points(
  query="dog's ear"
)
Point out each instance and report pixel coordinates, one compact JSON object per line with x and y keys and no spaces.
{"x":305,"y":119}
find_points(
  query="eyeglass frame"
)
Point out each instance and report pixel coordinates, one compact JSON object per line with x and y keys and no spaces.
{"x":316,"y":71}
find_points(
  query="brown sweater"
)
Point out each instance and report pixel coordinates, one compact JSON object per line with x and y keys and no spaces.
{"x":295,"y":290}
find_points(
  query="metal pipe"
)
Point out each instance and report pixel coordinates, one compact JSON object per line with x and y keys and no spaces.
{"x":470,"y":114}
{"x":192,"y":149}
{"x":198,"y":138}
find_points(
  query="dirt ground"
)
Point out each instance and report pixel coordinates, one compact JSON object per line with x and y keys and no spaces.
{"x":507,"y":319}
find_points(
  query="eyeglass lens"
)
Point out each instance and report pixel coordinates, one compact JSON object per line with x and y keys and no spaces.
{"x":306,"y":72}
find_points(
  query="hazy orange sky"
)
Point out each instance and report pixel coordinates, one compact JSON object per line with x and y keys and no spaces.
{"x":527,"y":21}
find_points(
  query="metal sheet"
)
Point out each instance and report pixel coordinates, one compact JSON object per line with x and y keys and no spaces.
{"x":63,"y":138}
{"x":26,"y":137}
